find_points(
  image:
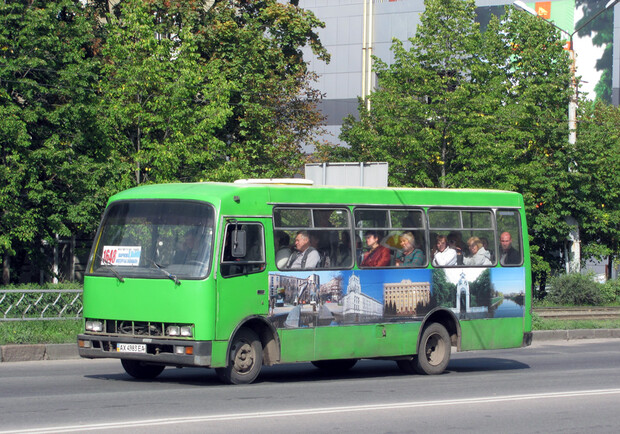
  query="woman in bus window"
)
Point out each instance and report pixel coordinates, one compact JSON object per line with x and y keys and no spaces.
{"x":409,"y":256}
{"x":378,"y":256}
{"x":479,"y":255}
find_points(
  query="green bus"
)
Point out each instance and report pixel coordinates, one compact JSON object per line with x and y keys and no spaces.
{"x":234,"y":276}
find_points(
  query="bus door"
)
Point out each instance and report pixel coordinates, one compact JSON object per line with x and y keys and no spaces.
{"x":242,"y":280}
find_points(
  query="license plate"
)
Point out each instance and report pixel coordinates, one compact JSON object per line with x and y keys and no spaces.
{"x":131,"y":348}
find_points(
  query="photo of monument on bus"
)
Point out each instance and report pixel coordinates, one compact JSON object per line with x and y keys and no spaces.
{"x":332,"y":298}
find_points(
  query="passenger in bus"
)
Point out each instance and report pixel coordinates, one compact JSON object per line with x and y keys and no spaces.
{"x":315,"y":242}
{"x":455,"y":241}
{"x":409,"y":256}
{"x":283,"y":249}
{"x":443,"y":256}
{"x":485,"y":244}
{"x":304,"y":256}
{"x":377,"y":256}
{"x":343,"y":255}
{"x":479,"y":255}
{"x":509,"y":255}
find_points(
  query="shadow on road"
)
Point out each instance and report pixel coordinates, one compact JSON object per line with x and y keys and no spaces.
{"x":306,"y":372}
{"x":485,"y":364}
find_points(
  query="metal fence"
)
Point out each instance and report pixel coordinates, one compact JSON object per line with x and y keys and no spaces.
{"x":40,"y":304}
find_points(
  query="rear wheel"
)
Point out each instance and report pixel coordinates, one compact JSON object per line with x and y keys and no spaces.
{"x":141,"y":370}
{"x":335,"y":366}
{"x":434,"y":350}
{"x":245,"y":359}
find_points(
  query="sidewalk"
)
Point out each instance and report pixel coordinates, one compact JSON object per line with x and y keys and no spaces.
{"x":25,"y":353}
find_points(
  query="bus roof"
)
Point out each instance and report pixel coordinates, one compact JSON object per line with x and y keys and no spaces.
{"x":258,"y":198}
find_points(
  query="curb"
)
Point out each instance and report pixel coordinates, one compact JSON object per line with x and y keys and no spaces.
{"x":567,"y":335}
{"x":26,"y":353}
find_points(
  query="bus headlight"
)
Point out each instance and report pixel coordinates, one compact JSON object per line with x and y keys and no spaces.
{"x":186,"y":331}
{"x":93,"y":326}
{"x":173,"y":331}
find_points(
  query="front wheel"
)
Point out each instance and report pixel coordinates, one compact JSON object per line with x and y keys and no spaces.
{"x":245,"y":359}
{"x":434,"y":350}
{"x":140,"y":370}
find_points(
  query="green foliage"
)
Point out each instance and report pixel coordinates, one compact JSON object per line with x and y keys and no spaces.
{"x":39,"y":332}
{"x":610,"y":291}
{"x":50,"y":171}
{"x":444,"y":291}
{"x":457,"y":108}
{"x":63,"y":285}
{"x":596,"y":200}
{"x":481,"y":289}
{"x":575,"y":290}
{"x":563,"y":324}
{"x":92,"y":103}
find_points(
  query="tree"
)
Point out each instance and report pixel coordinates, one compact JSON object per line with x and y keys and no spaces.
{"x":50,"y":174}
{"x":598,"y":165}
{"x":444,"y":291}
{"x":464,"y":109}
{"x":160,"y":103}
{"x":273,"y":102}
{"x":191,"y":93}
{"x":416,"y":118}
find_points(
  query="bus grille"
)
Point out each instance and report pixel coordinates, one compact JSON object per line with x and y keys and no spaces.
{"x":151,"y":329}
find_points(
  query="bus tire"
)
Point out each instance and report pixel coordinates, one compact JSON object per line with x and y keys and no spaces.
{"x":434,"y":350}
{"x":245,"y":359}
{"x":335,"y":366}
{"x":141,"y":370}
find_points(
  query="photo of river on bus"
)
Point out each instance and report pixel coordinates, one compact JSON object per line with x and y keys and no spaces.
{"x":334,"y":298}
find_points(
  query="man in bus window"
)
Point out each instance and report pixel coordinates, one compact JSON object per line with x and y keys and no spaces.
{"x":378,"y":256}
{"x":444,"y":256}
{"x":509,"y":255}
{"x":304,"y":256}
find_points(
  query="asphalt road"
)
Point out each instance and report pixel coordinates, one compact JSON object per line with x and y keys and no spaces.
{"x":561,"y":386}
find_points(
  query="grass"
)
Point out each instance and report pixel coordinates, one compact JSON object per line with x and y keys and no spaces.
{"x":64,"y":332}
{"x":39,"y":332}
{"x":539,"y":323}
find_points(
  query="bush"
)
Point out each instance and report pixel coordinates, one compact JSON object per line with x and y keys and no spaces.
{"x":576,"y":290}
{"x":611,"y":291}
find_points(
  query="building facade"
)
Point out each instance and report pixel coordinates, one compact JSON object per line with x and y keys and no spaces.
{"x":403,"y":298}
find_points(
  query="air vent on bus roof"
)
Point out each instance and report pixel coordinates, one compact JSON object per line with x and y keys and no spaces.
{"x":281,"y":181}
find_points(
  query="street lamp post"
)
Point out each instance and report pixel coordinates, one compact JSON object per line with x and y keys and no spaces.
{"x":572,"y":112}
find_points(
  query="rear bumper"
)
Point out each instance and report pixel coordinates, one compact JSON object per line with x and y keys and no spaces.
{"x":158,"y":351}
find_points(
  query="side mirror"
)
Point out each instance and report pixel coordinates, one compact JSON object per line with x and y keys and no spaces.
{"x":239,"y":245}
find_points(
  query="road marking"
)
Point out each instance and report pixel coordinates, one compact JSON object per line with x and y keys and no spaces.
{"x":311,"y":411}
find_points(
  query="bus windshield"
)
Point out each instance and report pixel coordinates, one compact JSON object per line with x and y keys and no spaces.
{"x":154,"y":239}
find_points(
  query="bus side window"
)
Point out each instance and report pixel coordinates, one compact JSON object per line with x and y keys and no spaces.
{"x":254,"y":259}
{"x":328,"y":238}
{"x":510,"y":246}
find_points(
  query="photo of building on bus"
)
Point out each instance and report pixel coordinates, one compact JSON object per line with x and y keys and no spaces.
{"x":333,"y":298}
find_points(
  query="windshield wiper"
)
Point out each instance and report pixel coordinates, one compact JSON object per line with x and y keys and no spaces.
{"x":110,"y":265}
{"x":166,"y":272}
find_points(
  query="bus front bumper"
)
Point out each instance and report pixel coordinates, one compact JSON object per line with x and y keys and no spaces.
{"x":174,"y":352}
